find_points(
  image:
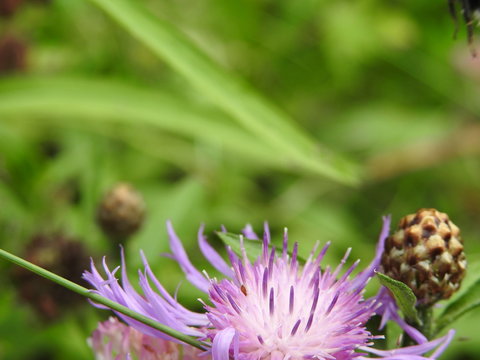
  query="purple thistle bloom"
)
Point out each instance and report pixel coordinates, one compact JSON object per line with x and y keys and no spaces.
{"x":274,"y":308}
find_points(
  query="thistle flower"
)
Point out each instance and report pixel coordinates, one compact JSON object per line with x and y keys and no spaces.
{"x":113,"y":340}
{"x":273,"y":308}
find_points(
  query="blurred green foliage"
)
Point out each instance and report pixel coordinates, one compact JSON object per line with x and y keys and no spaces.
{"x":317,"y":115}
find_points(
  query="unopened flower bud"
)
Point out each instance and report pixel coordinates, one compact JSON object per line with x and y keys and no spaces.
{"x":61,"y":255}
{"x":9,"y":7}
{"x":13,"y":54}
{"x":426,"y":253}
{"x":121,"y":212}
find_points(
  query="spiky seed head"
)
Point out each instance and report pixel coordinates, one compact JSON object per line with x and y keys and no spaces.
{"x":121,"y":212}
{"x":426,"y":253}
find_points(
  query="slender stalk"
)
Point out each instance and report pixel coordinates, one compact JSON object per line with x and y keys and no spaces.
{"x":407,"y":340}
{"x":425,"y":314}
{"x":100,"y":299}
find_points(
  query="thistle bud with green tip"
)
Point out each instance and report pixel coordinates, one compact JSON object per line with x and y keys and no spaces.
{"x":426,"y":253}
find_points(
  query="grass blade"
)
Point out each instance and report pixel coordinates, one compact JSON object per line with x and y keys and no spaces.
{"x":73,"y":99}
{"x":467,"y":302}
{"x":228,"y":92}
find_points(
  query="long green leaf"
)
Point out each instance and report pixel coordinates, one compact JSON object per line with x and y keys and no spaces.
{"x":228,"y":92}
{"x":73,"y":99}
{"x":404,"y":297}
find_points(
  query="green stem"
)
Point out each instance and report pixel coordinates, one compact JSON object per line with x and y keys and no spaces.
{"x":100,"y":299}
{"x":407,"y":340}
{"x":426,"y":315}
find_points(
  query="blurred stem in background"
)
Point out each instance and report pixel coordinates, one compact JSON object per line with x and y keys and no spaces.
{"x":461,"y":142}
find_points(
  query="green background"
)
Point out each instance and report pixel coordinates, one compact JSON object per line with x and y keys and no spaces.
{"x":320,"y":116}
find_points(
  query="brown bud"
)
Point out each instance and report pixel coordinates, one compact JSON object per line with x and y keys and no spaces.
{"x":121,"y":212}
{"x":426,"y":253}
{"x":13,"y":54}
{"x":8,"y":7}
{"x":61,"y":255}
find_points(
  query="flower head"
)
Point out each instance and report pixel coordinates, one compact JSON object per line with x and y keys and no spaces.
{"x":273,"y":308}
{"x":426,"y":253}
{"x":280,"y":309}
{"x":113,"y":340}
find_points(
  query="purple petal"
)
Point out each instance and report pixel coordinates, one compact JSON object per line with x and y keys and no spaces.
{"x":212,"y":256}
{"x":221,"y":344}
{"x":443,"y":346}
{"x":285,"y":244}
{"x":159,"y":307}
{"x":362,"y":278}
{"x":190,"y":317}
{"x":415,"y":350}
{"x":266,"y":232}
{"x":193,"y":275}
{"x":415,"y":334}
{"x":249,"y":233}
{"x":236,"y":346}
